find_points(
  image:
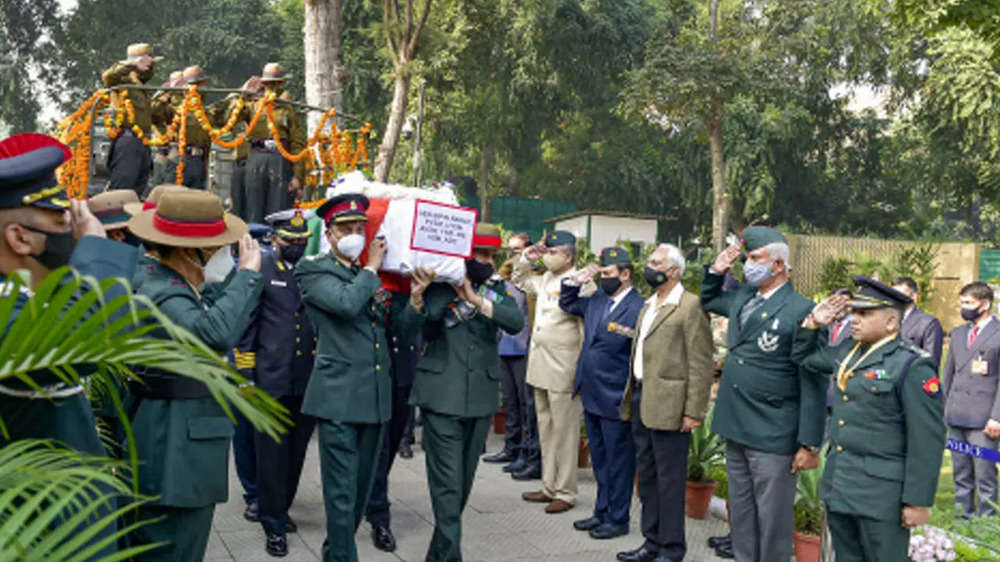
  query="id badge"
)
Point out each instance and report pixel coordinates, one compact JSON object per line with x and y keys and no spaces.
{"x":980,"y":367}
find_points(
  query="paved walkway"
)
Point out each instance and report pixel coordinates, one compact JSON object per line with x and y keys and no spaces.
{"x":498,"y":525}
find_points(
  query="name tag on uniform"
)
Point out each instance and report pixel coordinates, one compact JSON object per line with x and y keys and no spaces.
{"x":980,"y":367}
{"x":277,"y":283}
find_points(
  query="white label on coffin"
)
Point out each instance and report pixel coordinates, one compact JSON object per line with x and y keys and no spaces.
{"x":443,"y":229}
{"x":397,"y":228}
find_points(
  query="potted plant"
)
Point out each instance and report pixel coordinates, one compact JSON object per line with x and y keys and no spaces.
{"x":705,"y":453}
{"x":809,"y":514}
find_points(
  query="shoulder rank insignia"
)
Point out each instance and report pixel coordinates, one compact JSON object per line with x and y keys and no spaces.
{"x":932,"y":387}
{"x":621,"y":330}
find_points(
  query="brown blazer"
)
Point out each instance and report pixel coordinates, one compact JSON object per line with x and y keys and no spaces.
{"x":677,"y":368}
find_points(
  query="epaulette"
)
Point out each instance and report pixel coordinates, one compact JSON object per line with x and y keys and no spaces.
{"x":919,"y":351}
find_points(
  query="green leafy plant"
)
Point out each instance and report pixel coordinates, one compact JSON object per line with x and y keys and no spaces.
{"x":707,"y":450}
{"x":808,"y":505}
{"x":718,"y":473}
{"x":67,"y":331}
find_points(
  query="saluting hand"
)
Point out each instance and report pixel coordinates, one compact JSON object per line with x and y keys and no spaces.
{"x":84,"y":222}
{"x":726,"y":259}
{"x":585,"y":274}
{"x":824,"y":313}
{"x":534,"y":252}
{"x":249,"y":253}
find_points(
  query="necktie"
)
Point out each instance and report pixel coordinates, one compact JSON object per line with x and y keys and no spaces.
{"x":607,"y":311}
{"x":748,"y":309}
{"x":973,"y":334}
{"x":836,"y":332}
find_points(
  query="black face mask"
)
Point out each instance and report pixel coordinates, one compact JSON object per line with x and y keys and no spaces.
{"x":58,"y":248}
{"x":477,"y":272}
{"x":292,"y":253}
{"x":654,"y":278}
{"x":610,"y":285}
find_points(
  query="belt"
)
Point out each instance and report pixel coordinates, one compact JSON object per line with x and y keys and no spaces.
{"x":168,"y":387}
{"x":195,"y":151}
{"x":58,"y":390}
{"x":264,"y":144}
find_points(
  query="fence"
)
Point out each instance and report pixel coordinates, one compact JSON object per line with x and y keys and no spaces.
{"x":957,"y":264}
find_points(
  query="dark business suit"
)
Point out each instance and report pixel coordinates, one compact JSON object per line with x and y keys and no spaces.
{"x":924,"y":331}
{"x":405,"y":352}
{"x":279,"y":360}
{"x":971,"y":399}
{"x":601,"y":374}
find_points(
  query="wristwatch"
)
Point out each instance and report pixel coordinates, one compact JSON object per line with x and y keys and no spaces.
{"x":812,"y":449}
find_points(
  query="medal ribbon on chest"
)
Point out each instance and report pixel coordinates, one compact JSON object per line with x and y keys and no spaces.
{"x":844,"y":372}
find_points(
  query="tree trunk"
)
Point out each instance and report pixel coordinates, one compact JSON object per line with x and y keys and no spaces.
{"x":325,"y":73}
{"x":721,"y":201}
{"x":387,"y":150}
{"x":485,"y":164}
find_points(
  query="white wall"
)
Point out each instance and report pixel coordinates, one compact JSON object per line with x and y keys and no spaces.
{"x":607,"y":231}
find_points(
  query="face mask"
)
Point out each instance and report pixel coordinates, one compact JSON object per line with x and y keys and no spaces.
{"x":292,"y":253}
{"x":756,"y":273}
{"x":477,"y":272}
{"x":554,"y":262}
{"x":217,"y":268}
{"x":132,"y":240}
{"x":58,"y":248}
{"x":351,"y":246}
{"x":610,"y":285}
{"x":654,"y":278}
{"x":970,"y":314}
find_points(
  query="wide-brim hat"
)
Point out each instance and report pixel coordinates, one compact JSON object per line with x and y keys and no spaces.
{"x":109,"y":207}
{"x":487,"y":237}
{"x":873,"y":293}
{"x":274,"y":72}
{"x":346,"y":207}
{"x":194,"y":73}
{"x":188,"y":219}
{"x":153,"y":198}
{"x":28,"y":163}
{"x":136,"y":50}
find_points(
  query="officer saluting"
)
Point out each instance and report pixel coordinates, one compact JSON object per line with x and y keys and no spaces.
{"x":887,"y":433}
{"x":458,"y":379}
{"x":350,"y":388}
{"x":279,"y":361}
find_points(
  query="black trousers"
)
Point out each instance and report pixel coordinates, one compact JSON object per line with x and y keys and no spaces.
{"x":378,"y":504}
{"x":279,"y":466}
{"x":238,"y":188}
{"x":521,"y":423}
{"x":661,"y":467}
{"x":267,"y":177}
{"x":245,"y":457}
{"x":195,"y":171}
{"x":130,"y":162}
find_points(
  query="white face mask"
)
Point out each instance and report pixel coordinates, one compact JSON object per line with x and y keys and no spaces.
{"x":351,"y":246}
{"x":217,"y":267}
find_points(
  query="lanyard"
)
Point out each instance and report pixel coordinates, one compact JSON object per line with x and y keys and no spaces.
{"x":844,"y":371}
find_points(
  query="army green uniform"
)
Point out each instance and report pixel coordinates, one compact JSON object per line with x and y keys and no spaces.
{"x":267,"y":172}
{"x":886,"y":439}
{"x":457,"y":386}
{"x":181,"y":433}
{"x":130,"y":160}
{"x":349,"y":391}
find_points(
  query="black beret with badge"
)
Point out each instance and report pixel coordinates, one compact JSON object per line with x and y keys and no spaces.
{"x":560,"y":238}
{"x":28,"y":163}
{"x":289,"y":224}
{"x":872,"y":293}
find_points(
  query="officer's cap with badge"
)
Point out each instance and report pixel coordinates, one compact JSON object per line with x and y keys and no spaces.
{"x":559,"y":238}
{"x":28,"y":163}
{"x":615,"y":256}
{"x":756,"y":237}
{"x":873,"y":294}
{"x":346,"y":207}
{"x":109,"y":207}
{"x":289,"y":224}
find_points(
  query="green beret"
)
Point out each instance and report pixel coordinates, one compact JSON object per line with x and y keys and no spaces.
{"x":612,"y":256}
{"x":756,"y":237}
{"x":560,"y":238}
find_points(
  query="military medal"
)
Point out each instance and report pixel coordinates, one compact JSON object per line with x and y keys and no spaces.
{"x":844,"y":372}
{"x":616,"y":328}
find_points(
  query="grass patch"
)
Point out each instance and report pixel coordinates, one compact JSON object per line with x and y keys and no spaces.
{"x":943,"y":513}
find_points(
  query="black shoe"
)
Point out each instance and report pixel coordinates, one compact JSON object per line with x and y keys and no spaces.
{"x":725,"y":551}
{"x":405,"y":451}
{"x":252,"y":512}
{"x":529,"y":473}
{"x":716,"y":541}
{"x":290,"y":526}
{"x":608,"y":531}
{"x":641,"y":554}
{"x":383,"y":539}
{"x":516,"y":466}
{"x":586,"y":524}
{"x":277,"y":545}
{"x":503,"y":456}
